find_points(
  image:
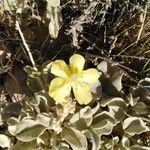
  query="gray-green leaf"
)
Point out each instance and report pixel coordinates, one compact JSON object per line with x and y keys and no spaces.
{"x":84,"y":114}
{"x":103,"y":123}
{"x":4,"y":141}
{"x":25,"y":146}
{"x":44,"y":119}
{"x":134,"y":125}
{"x":94,"y":138}
{"x":17,"y":5}
{"x":75,"y":138}
{"x":139,"y":147}
{"x":30,"y":133}
{"x":53,"y":3}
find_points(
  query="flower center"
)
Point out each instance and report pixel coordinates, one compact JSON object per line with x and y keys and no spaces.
{"x":73,"y":77}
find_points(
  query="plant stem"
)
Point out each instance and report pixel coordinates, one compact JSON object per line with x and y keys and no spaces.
{"x":25,"y":44}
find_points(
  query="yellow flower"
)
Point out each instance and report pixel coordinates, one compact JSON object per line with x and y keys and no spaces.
{"x":72,"y":76}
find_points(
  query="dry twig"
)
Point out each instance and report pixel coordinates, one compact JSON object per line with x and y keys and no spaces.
{"x":25,"y":44}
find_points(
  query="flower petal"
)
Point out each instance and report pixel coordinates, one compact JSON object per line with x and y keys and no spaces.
{"x":59,"y":89}
{"x":59,"y":68}
{"x":90,"y":75}
{"x":82,"y":93}
{"x":76,"y":63}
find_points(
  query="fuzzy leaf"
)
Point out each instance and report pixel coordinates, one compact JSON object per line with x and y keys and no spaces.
{"x":115,"y":101}
{"x":23,"y":124}
{"x":80,"y":124}
{"x":17,"y":5}
{"x":125,"y":143}
{"x":4,"y":141}
{"x":118,"y":82}
{"x":55,"y":16}
{"x":53,"y":29}
{"x":103,"y":66}
{"x":25,"y":146}
{"x":44,"y":119}
{"x":132,"y":101}
{"x":43,"y":95}
{"x":117,"y":107}
{"x":20,"y":126}
{"x":102,"y":117}
{"x":142,"y":108}
{"x":30,"y":133}
{"x":94,"y":138}
{"x":117,"y":112}
{"x":53,"y":3}
{"x":32,"y":72}
{"x":138,"y":147}
{"x":12,"y":129}
{"x":12,"y":121}
{"x":134,"y":125}
{"x":96,"y":89}
{"x":46,"y":67}
{"x":63,"y":146}
{"x":96,"y":108}
{"x":142,"y":90}
{"x":12,"y":109}
{"x":85,"y":115}
{"x":103,"y":123}
{"x":34,"y":84}
{"x":75,"y":138}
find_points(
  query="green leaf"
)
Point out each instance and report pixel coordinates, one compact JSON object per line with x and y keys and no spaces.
{"x":12,"y":109}
{"x":117,"y":107}
{"x":139,"y":147}
{"x":117,"y":112}
{"x":54,"y":13}
{"x":53,"y":3}
{"x":96,"y":108}
{"x":7,"y":5}
{"x":43,"y":95}
{"x":63,"y":146}
{"x":85,"y":114}
{"x":103,"y":66}
{"x":25,"y":146}
{"x":94,"y":139}
{"x":54,"y":24}
{"x":12,"y":121}
{"x":32,"y":72}
{"x":134,"y":125}
{"x":117,"y":79}
{"x":102,"y":117}
{"x":30,"y":133}
{"x":113,"y":101}
{"x":125,"y":143}
{"x":132,"y":101}
{"x":103,"y":123}
{"x":75,"y":138}
{"x":96,"y":90}
{"x":17,"y":5}
{"x":80,"y":124}
{"x":4,"y":141}
{"x":141,"y":108}
{"x":46,"y":67}
{"x":34,"y":84}
{"x":44,"y":119}
{"x":17,"y":127}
